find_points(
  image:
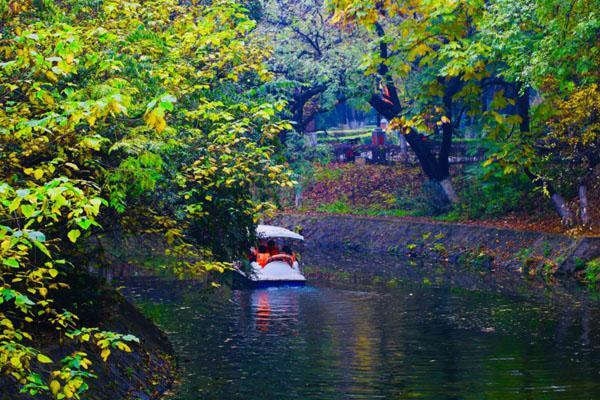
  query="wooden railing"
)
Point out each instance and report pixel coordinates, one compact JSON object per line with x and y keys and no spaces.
{"x":390,"y":154}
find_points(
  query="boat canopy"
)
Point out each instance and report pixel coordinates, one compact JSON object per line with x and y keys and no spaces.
{"x":270,"y":231}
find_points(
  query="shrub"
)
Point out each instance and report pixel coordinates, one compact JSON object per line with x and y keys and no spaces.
{"x":592,"y":271}
{"x":484,"y":197}
{"x":361,"y":186}
{"x":339,"y":207}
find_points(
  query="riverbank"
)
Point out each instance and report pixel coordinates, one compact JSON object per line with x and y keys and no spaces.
{"x":145,"y":373}
{"x":534,"y":254}
{"x":398,"y":191}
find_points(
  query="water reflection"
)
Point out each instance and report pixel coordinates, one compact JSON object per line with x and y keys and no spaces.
{"x":273,"y":311}
{"x":328,"y":343}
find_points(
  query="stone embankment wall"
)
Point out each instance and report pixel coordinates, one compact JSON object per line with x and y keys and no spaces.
{"x":379,"y":234}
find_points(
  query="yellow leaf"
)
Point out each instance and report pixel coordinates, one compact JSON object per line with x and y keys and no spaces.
{"x":49,"y":100}
{"x":51,"y":76}
{"x":68,"y":392}
{"x":161,"y":124}
{"x":124,"y":347}
{"x":44,"y":359}
{"x":43,"y":291}
{"x":105,"y":353}
{"x":6,"y":322}
{"x":54,"y":387}
{"x":74,"y":235}
{"x":38,"y":174}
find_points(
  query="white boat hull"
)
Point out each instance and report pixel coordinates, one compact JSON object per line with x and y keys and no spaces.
{"x":275,"y":272}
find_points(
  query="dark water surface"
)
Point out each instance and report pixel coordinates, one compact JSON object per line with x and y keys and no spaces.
{"x":401,"y":343}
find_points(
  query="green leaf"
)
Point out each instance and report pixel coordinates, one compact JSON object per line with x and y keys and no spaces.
{"x":73,"y":235}
{"x":84,"y":223}
{"x":11,"y":262}
{"x":27,"y":210}
{"x":42,"y":248}
{"x":44,"y":359}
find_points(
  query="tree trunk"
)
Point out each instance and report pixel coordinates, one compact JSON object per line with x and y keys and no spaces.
{"x":403,"y":144}
{"x":523,"y":109}
{"x":298,"y":196}
{"x":446,"y":184}
{"x":300,"y":99}
{"x":560,"y":205}
{"x":387,"y":104}
{"x":583,"y":205}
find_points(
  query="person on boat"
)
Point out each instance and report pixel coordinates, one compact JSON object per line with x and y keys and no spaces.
{"x":287,"y":250}
{"x":262,"y":256}
{"x":253,"y":254}
{"x":272,"y":248}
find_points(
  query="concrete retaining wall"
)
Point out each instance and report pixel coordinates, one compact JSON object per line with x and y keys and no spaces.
{"x":373,"y":234}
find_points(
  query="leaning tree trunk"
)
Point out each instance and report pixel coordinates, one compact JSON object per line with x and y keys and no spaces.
{"x":560,"y":205}
{"x":583,"y":205}
{"x":446,"y":184}
{"x":387,"y":104}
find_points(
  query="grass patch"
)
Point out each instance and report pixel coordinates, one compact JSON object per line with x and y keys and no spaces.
{"x":335,"y":139}
{"x":341,"y":207}
{"x":592,"y":271}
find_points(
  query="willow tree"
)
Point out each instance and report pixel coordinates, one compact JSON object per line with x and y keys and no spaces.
{"x":130,"y":115}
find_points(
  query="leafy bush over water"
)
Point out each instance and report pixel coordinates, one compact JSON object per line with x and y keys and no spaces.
{"x":135,"y":116}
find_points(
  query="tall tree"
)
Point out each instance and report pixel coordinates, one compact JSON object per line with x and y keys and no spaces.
{"x":315,"y":63}
{"x":548,"y":52}
{"x":422,"y":86}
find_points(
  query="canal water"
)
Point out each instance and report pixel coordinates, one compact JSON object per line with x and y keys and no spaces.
{"x":405,"y":342}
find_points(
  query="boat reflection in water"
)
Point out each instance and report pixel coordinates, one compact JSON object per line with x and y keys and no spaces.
{"x":327,"y":343}
{"x":274,"y":310}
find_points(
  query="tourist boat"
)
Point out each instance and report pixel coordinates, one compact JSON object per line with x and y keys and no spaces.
{"x":271,"y":260}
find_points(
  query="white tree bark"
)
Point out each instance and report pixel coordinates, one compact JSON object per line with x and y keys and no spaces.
{"x":563,"y":210}
{"x":298,"y":196}
{"x":583,"y":205}
{"x":449,"y":190}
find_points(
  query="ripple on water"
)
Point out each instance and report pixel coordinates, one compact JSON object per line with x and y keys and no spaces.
{"x":327,"y":343}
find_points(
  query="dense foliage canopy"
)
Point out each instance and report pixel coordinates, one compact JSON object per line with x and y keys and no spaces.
{"x":314,"y":62}
{"x":133,"y":116}
{"x":166,"y":117}
{"x":513,"y":72}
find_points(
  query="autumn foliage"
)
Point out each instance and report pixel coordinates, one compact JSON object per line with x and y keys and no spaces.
{"x":133,"y":116}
